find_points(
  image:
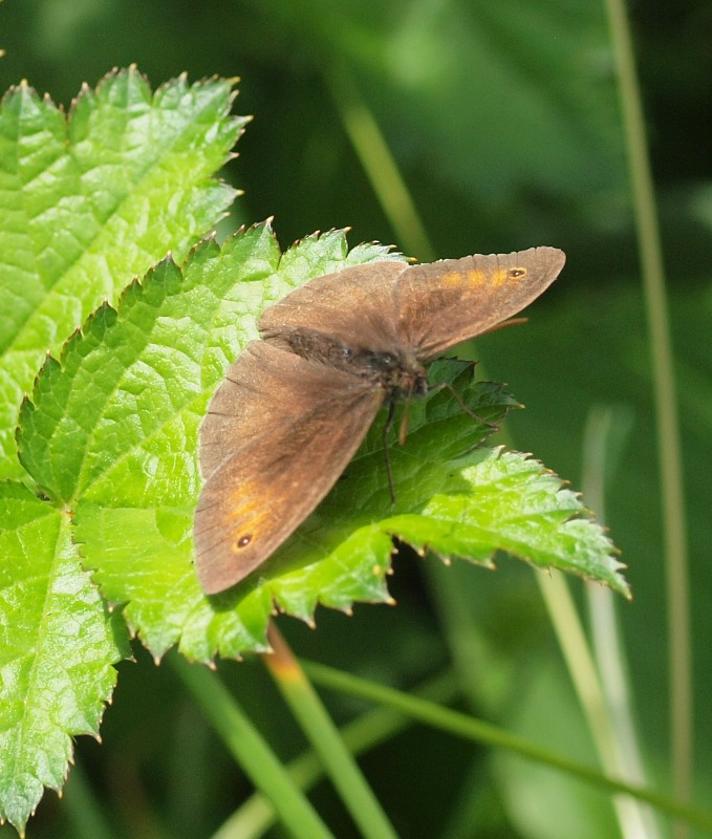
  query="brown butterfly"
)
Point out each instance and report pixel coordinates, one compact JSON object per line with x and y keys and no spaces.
{"x":296,"y":405}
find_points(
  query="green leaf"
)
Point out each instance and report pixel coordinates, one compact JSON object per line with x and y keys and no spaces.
{"x":57,"y":647}
{"x":91,"y":200}
{"x":510,"y":502}
{"x":111,"y":432}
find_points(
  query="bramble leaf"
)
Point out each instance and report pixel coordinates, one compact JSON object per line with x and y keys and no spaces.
{"x":91,"y":200}
{"x":57,"y":647}
{"x":112,"y":432}
{"x":86,"y":203}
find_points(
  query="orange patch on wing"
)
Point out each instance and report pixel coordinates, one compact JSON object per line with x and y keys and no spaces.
{"x":452,"y":279}
{"x":475,"y":277}
{"x":247,"y":512}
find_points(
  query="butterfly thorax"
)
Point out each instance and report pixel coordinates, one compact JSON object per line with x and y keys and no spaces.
{"x":396,"y":371}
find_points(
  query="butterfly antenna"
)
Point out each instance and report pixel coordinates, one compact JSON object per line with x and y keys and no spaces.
{"x":386,"y":431}
{"x":466,"y":408}
{"x":503,"y":325}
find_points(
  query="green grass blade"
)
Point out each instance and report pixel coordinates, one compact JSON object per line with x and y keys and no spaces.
{"x":673,"y":505}
{"x":623,"y":755}
{"x":251,"y":751}
{"x":380,"y":166}
{"x":478,"y":731}
{"x":86,"y":812}
{"x":338,"y":762}
{"x":256,"y":815}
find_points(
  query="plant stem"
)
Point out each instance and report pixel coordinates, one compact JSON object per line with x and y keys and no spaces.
{"x":381,"y":169}
{"x":251,"y":751}
{"x":85,"y":812}
{"x":624,"y":756}
{"x":669,"y":454}
{"x":478,"y":731}
{"x":324,"y":737}
{"x":256,"y":815}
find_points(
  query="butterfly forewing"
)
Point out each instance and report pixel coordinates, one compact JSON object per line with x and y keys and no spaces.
{"x":356,"y":306}
{"x":443,"y":303}
{"x":289,"y":428}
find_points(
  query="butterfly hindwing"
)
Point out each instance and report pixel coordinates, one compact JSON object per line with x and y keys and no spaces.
{"x":279,"y":432}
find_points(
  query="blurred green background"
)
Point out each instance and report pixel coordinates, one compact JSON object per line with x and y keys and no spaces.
{"x":504,"y":122}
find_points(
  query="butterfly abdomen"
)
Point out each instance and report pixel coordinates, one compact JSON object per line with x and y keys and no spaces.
{"x":395,"y":372}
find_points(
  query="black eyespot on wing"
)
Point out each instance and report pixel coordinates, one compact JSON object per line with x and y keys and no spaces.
{"x":517,"y":273}
{"x":244,"y":541}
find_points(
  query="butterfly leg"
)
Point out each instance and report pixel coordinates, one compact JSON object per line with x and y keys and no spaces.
{"x":388,"y":425}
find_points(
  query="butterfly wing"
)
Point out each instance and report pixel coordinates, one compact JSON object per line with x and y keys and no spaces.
{"x":279,"y":432}
{"x":356,"y":306}
{"x":443,"y":303}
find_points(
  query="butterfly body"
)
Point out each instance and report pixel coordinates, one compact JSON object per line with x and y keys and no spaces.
{"x":295,"y":406}
{"x":397,"y":373}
